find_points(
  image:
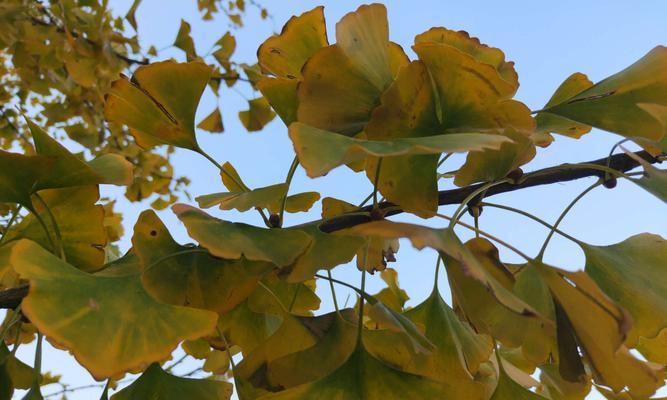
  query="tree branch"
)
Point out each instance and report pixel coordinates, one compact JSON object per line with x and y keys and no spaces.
{"x":11,"y":298}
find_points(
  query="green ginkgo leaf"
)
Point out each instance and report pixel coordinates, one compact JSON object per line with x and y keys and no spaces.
{"x":362,"y":376}
{"x":155,"y":383}
{"x":72,"y":307}
{"x":507,"y":389}
{"x":235,"y":240}
{"x":325,"y":252}
{"x":189,"y":276}
{"x":342,"y":83}
{"x":653,"y":181}
{"x":321,"y":151}
{"x":631,"y":103}
{"x":600,"y":327}
{"x":19,"y":175}
{"x":160,"y":102}
{"x":534,"y":336}
{"x":632,"y":274}
{"x":551,"y":123}
{"x":14,"y":374}
{"x":80,"y":222}
{"x":69,"y":170}
{"x":457,"y":356}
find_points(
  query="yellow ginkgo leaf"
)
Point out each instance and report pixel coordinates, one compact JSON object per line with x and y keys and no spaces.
{"x":631,"y":103}
{"x":551,"y":123}
{"x":19,"y":174}
{"x":212,"y":123}
{"x":257,"y":115}
{"x":79,"y":220}
{"x":321,"y":151}
{"x":188,"y":276}
{"x":160,"y":102}
{"x":600,"y":328}
{"x":342,"y":83}
{"x":72,"y":307}
{"x":184,"y":41}
{"x":235,"y":240}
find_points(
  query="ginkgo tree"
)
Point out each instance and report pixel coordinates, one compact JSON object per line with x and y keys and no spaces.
{"x":242,"y":299}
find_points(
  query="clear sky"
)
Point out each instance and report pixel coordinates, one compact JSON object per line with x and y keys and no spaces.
{"x":547,"y":40}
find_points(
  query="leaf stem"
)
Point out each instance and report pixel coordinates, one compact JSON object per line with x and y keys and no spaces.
{"x":363,"y":290}
{"x":567,"y":209}
{"x":56,"y":228}
{"x":375,"y":183}
{"x":333,"y":291}
{"x":458,"y":213}
{"x":15,"y":215}
{"x":288,"y":181}
{"x":437,"y":272}
{"x":488,"y":235}
{"x":533,"y":217}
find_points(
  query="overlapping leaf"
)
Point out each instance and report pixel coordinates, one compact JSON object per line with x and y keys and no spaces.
{"x":80,"y":223}
{"x":321,"y":151}
{"x":654,"y":179}
{"x":631,"y":103}
{"x":342,"y":83}
{"x":71,"y":307}
{"x":188,"y":276}
{"x":551,"y":123}
{"x":235,"y":240}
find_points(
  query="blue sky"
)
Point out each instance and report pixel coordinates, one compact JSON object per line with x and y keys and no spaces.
{"x":547,"y":40}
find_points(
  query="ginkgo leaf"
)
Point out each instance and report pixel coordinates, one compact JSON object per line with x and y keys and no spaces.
{"x":14,"y":374}
{"x":472,"y":46}
{"x":158,"y":384}
{"x":386,"y":318}
{"x":321,"y":151}
{"x":213,"y":122}
{"x":392,"y":296}
{"x":79,"y":220}
{"x":342,"y":83}
{"x":160,"y":102}
{"x":184,"y":41}
{"x":446,"y":242}
{"x":600,"y":328}
{"x":653,"y":181}
{"x":283,"y":55}
{"x":362,"y":376}
{"x":630,"y":103}
{"x":235,"y":240}
{"x":227,"y":45}
{"x":19,"y":174}
{"x":72,"y":307}
{"x":325,"y":252}
{"x":270,"y":197}
{"x":247,"y":328}
{"x":458,"y":352}
{"x":507,"y":389}
{"x":336,"y":336}
{"x":199,"y":349}
{"x":631,"y":273}
{"x":534,"y":336}
{"x":183,"y":275}
{"x":555,"y":387}
{"x":551,"y":123}
{"x":259,"y":114}
{"x":277,"y":295}
{"x":217,"y":362}
{"x":491,"y":164}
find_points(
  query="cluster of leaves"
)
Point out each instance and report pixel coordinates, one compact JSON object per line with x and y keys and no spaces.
{"x":249,"y":291}
{"x":57,"y":62}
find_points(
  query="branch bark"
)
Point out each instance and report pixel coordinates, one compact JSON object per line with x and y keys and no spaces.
{"x":11,"y":298}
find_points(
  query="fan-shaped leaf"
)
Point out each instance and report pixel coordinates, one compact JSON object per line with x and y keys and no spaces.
{"x":235,"y":240}
{"x":72,"y":308}
{"x":159,"y":103}
{"x":321,"y":151}
{"x":184,"y":275}
{"x":257,"y":115}
{"x":546,"y":122}
{"x":158,"y":384}
{"x":619,"y":103}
